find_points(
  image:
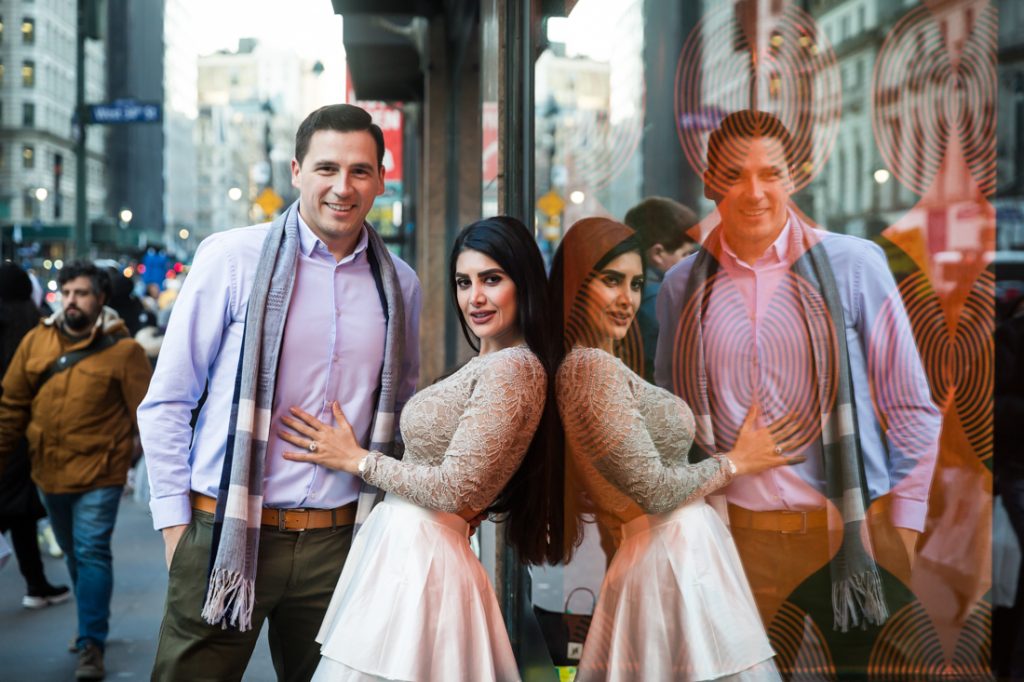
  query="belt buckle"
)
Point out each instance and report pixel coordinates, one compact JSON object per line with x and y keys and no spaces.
{"x":803,"y":523}
{"x":282,"y":523}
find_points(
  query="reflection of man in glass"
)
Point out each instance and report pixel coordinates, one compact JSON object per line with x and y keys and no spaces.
{"x":794,"y":322}
{"x":661,"y":225}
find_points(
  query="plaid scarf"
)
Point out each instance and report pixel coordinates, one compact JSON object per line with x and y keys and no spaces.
{"x":231,"y":589}
{"x":857,"y":596}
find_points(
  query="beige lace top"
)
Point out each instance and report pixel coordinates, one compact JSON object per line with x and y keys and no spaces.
{"x":630,"y":439}
{"x":466,"y":435}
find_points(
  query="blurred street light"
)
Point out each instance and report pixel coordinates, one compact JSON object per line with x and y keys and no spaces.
{"x":235,"y":193}
{"x":183,"y":233}
{"x":577,"y":197}
{"x":880,"y":176}
{"x":125,"y":216}
{"x":40,"y":194}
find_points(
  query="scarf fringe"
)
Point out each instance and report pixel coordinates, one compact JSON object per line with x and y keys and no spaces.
{"x":229,"y":600}
{"x":858,"y":601}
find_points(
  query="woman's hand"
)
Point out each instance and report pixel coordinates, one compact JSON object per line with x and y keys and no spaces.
{"x":474,"y":521}
{"x":757,"y":449}
{"x":334,"y":448}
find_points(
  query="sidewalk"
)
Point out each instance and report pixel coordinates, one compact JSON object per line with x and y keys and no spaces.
{"x":34,"y":643}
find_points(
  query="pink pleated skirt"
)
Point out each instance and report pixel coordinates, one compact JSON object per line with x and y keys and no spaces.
{"x":413,"y":603}
{"x":676,"y":605}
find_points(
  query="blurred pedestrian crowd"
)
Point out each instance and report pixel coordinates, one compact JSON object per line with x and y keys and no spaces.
{"x":73,"y":375}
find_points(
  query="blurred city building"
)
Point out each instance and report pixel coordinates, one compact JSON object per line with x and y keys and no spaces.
{"x":847,"y":190}
{"x":180,"y":113}
{"x":590,"y":108}
{"x":37,"y":144}
{"x":152,"y":58}
{"x":250,"y":103}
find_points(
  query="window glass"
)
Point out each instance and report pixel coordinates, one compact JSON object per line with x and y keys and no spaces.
{"x":758,"y":133}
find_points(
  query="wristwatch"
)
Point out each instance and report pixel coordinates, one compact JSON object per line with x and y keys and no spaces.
{"x":729,"y":463}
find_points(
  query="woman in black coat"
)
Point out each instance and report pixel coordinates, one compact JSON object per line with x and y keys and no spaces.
{"x":20,"y":507}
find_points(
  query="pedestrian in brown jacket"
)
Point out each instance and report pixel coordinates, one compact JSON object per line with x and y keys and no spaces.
{"x":72,"y":390}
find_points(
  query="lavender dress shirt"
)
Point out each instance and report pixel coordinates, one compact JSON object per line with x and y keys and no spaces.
{"x":333,"y":349}
{"x":767,"y":355}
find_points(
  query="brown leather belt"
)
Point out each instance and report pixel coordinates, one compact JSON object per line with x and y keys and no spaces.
{"x":778,"y":521}
{"x":290,"y":519}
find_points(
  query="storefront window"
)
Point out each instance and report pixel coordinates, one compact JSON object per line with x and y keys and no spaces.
{"x":888,"y":150}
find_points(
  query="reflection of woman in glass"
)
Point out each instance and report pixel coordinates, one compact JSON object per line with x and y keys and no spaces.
{"x":675,"y":604}
{"x":413,"y":603}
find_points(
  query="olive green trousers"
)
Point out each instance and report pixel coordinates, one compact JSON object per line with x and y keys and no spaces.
{"x":295,"y":578}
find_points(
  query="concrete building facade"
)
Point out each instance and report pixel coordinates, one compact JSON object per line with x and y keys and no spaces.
{"x":37,"y":144}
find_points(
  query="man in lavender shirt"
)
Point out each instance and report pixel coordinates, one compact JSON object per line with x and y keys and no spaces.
{"x":332,"y":350}
{"x":758,"y":355}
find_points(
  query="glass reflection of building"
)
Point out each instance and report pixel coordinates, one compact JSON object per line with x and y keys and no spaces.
{"x":589,"y":98}
{"x":901,"y":99}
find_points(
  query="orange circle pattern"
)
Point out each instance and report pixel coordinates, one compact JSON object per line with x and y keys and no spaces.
{"x":793,"y":75}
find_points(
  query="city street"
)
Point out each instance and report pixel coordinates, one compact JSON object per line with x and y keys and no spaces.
{"x":768,"y":232}
{"x":34,"y":643}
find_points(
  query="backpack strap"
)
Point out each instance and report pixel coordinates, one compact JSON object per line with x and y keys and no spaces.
{"x":68,"y":360}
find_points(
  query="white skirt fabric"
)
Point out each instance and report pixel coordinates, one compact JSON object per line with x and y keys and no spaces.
{"x":676,"y":605}
{"x":413,"y":603}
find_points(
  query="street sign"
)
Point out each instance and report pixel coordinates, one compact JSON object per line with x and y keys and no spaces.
{"x":125,"y":111}
{"x":551,"y":204}
{"x":269,"y":201}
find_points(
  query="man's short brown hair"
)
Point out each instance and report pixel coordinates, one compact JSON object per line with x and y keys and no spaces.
{"x":659,"y":220}
{"x":344,"y":118}
{"x":750,"y":123}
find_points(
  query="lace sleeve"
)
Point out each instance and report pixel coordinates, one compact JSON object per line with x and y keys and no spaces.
{"x":601,"y":418}
{"x":490,"y":441}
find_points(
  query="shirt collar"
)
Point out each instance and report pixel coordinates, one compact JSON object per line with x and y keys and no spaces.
{"x":309,"y":242}
{"x":653,"y":274}
{"x":775,"y":254}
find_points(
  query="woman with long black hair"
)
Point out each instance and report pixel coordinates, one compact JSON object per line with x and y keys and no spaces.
{"x":413,"y":603}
